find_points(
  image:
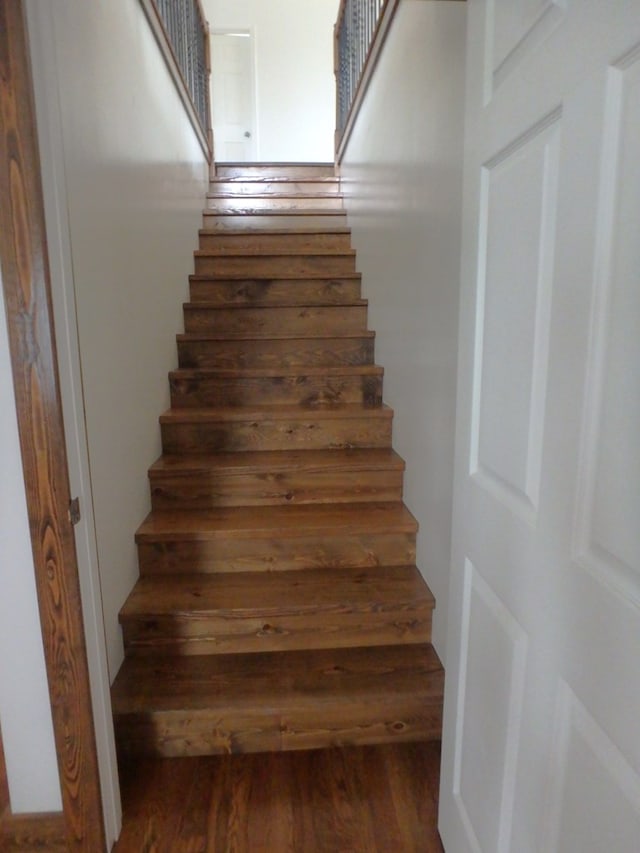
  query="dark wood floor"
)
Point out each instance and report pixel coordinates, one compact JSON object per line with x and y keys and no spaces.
{"x":376,"y":799}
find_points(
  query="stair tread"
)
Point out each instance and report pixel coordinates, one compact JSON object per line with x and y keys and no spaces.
{"x":267,"y":372}
{"x":289,"y":165}
{"x":244,"y":413}
{"x":274,"y":232}
{"x":305,"y":252}
{"x":275,"y":179}
{"x":254,"y":205}
{"x":281,"y":521}
{"x":221,"y":306}
{"x":277,"y":211}
{"x":277,"y":461}
{"x":272,"y":336}
{"x":274,"y":195}
{"x":269,"y":594}
{"x":276,"y":185}
{"x":277,"y":680}
{"x":311,"y":276}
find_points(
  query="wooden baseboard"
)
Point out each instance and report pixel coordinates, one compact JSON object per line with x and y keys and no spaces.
{"x":30,"y":832}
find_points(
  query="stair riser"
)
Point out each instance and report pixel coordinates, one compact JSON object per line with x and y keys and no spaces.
{"x":199,"y":635}
{"x":304,"y":352}
{"x":264,"y":321}
{"x":255,"y":554}
{"x":299,"y":390}
{"x":266,"y":187}
{"x":237,"y":243}
{"x":250,"y":204}
{"x":207,"y":491}
{"x":275,"y":265}
{"x":268,"y":222}
{"x":276,"y":291}
{"x":281,"y":434}
{"x":391,"y":719}
{"x":267,"y":170}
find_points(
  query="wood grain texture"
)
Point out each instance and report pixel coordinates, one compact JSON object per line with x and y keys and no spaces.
{"x":274,"y":428}
{"x":208,"y":704}
{"x":281,"y":352}
{"x":270,"y":220}
{"x":202,"y":317}
{"x":229,"y":169}
{"x":316,"y":802}
{"x":275,"y":478}
{"x":279,"y":611}
{"x":4,"y":784}
{"x":275,"y":553}
{"x":278,"y":522}
{"x":312,"y":290}
{"x":241,"y":539}
{"x":306,"y":387}
{"x":327,"y":262}
{"x":229,"y":203}
{"x":261,"y":241}
{"x":274,"y":185}
{"x":27,"y":833}
{"x":28,"y":300}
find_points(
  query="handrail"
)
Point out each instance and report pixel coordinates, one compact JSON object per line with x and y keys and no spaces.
{"x":358,"y":34}
{"x":182,"y":32}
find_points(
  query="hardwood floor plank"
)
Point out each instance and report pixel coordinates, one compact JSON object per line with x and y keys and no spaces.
{"x":376,"y":799}
{"x":270,"y":808}
{"x":191,"y":835}
{"x":155,"y":793}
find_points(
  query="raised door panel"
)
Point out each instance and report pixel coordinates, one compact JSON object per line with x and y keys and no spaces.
{"x":516,"y":240}
{"x":491,"y":695}
{"x":595,"y":793}
{"x":515,"y":28}
{"x":609,"y":495}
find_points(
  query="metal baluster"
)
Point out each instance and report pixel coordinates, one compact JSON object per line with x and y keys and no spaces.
{"x":186,"y":33}
{"x":356,"y":31}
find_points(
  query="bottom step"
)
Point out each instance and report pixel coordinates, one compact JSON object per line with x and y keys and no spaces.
{"x":207,"y":705}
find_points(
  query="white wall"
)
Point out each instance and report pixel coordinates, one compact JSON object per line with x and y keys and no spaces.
{"x":135,"y":183}
{"x":295,"y":85}
{"x":402,"y":172}
{"x":25,"y":714}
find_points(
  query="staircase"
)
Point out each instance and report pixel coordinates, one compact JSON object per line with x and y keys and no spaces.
{"x":278,"y":605}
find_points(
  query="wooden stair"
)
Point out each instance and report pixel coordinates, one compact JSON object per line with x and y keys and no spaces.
{"x":279,"y":605}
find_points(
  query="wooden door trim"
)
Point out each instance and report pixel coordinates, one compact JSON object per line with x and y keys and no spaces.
{"x":27,"y":294}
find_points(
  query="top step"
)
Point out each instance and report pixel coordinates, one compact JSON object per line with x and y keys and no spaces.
{"x":278,"y":186}
{"x":263,"y":170}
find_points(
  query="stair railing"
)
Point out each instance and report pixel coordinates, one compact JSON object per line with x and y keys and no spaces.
{"x":358,"y":35}
{"x":182,"y":32}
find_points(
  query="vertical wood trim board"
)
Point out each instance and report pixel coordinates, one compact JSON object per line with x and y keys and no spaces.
{"x":4,"y":785}
{"x":27,"y":295}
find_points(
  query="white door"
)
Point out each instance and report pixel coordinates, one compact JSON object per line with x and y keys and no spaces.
{"x":541,"y":749}
{"x":232,"y":97}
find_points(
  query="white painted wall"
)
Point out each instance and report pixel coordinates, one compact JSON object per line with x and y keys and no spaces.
{"x":25,"y":714}
{"x":295,"y":84}
{"x":135,"y":181}
{"x":402,"y":174}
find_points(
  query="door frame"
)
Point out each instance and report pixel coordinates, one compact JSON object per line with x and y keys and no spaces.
{"x":28,"y":299}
